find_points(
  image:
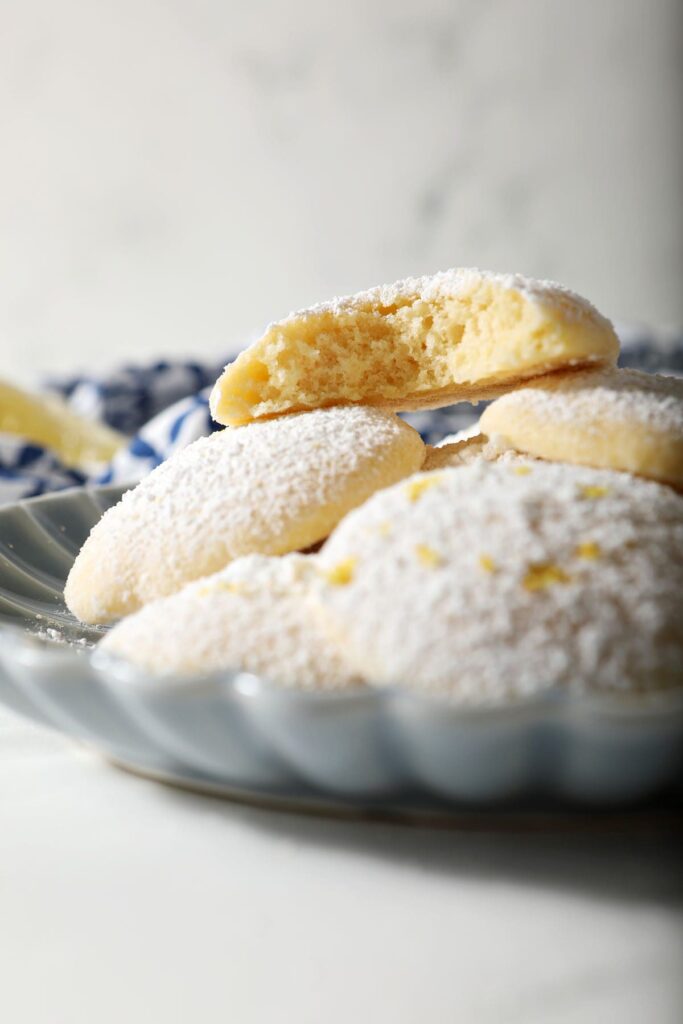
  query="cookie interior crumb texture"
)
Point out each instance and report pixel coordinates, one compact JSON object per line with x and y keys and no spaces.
{"x":419,"y":343}
{"x":267,"y":488}
{"x":495,"y":583}
{"x":464,"y":451}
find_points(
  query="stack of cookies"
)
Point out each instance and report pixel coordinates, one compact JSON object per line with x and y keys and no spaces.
{"x":317,"y":542}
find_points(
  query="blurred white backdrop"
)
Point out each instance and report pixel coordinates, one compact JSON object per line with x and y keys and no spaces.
{"x":174,"y":173}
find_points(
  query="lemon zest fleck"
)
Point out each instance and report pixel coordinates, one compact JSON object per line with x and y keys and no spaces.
{"x":416,"y":488}
{"x":522,"y":470}
{"x":487,"y":563}
{"x":229,"y":586}
{"x":544,"y":574}
{"x":342,"y":573}
{"x":588,"y":549}
{"x":428,"y":556}
{"x":592,"y":492}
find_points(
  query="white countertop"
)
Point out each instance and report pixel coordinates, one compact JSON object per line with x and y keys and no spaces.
{"x":124,"y":900}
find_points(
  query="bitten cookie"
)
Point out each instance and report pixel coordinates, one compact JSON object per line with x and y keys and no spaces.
{"x":417,"y":344}
{"x":617,"y":419}
{"x":268,"y":488}
{"x":495,"y":580}
{"x":251,"y":616}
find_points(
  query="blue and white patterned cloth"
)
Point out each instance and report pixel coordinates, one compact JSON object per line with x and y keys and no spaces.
{"x":164,"y":406}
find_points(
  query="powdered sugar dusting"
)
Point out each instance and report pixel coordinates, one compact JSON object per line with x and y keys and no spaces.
{"x":591,"y":398}
{"x":56,"y":636}
{"x":458,"y":281}
{"x":268,"y":487}
{"x":560,"y":575}
{"x":252,"y":617}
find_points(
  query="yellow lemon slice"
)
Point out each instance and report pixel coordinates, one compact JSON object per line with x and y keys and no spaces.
{"x":46,"y":420}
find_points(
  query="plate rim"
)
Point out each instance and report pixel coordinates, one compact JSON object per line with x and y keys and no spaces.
{"x":549,"y":703}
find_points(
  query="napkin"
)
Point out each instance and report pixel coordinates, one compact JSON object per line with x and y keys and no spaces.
{"x":158,"y":408}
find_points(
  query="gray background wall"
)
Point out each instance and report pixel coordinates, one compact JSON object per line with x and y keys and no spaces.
{"x":173,"y":173}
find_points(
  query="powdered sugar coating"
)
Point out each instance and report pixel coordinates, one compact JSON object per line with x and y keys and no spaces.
{"x":592,"y":397}
{"x":495,"y":580}
{"x":269,"y":487}
{"x":457,"y":281}
{"x":617,"y":419}
{"x":252,"y":617}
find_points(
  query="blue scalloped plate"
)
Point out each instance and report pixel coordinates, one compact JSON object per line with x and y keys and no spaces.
{"x":234,"y":734}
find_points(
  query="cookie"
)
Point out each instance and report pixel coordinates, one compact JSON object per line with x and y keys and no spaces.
{"x":496,"y":580}
{"x":268,"y":488}
{"x":462,"y":451}
{"x":617,"y":419}
{"x":251,"y":617}
{"x":417,"y":344}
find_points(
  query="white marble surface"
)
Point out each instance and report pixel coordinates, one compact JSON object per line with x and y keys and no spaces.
{"x":175,"y":173}
{"x":127,"y":901}
{"x":172,"y":174}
